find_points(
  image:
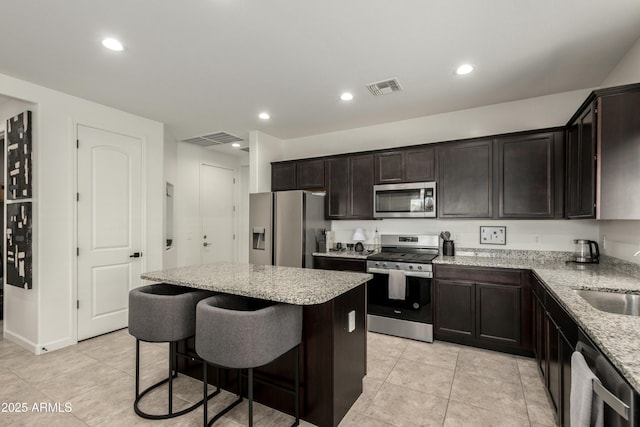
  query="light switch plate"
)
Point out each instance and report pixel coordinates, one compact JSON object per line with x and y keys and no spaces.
{"x":493,"y":235}
{"x":352,"y":321}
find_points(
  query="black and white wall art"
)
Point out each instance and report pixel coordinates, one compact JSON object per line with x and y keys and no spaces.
{"x":19,"y":162}
{"x":19,"y":245}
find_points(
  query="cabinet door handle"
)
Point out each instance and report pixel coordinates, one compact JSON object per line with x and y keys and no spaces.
{"x":135,"y":255}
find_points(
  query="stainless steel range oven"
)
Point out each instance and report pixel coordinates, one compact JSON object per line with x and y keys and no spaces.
{"x":401,"y":292}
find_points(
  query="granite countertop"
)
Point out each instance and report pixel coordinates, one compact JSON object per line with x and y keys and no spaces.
{"x":299,"y":286}
{"x":344,"y":254}
{"x":617,"y":335}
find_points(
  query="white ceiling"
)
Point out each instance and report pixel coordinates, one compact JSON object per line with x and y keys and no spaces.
{"x":203,"y":66}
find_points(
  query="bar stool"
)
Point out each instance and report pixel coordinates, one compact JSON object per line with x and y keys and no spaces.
{"x":246,"y":333}
{"x":163,"y":313}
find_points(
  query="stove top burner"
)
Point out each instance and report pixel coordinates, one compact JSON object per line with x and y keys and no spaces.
{"x":423,"y":258}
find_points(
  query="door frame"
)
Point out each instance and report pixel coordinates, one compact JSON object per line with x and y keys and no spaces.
{"x":73,"y":132}
{"x":236,"y":199}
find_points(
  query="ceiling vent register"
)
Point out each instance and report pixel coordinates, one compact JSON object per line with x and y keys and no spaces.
{"x":217,"y":138}
{"x":384,"y":87}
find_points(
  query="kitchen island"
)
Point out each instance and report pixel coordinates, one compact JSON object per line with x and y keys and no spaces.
{"x":333,"y":352}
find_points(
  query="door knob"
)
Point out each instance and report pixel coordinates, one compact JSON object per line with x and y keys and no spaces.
{"x":205,"y":244}
{"x":135,"y":255}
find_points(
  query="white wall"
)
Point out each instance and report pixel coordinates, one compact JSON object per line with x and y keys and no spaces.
{"x":187,"y":198}
{"x":47,"y":312}
{"x":539,"y":235}
{"x":263,"y":149}
{"x":533,"y":113}
{"x":622,"y":237}
{"x":170,"y":258}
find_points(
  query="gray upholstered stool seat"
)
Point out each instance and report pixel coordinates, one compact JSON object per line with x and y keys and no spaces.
{"x":239,"y":332}
{"x":163,"y":313}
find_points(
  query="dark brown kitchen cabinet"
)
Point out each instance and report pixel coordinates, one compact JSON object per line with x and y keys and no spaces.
{"x":465,"y":183}
{"x":283,"y":176}
{"x":337,"y":199}
{"x":498,"y":313}
{"x":310,"y":174}
{"x":406,"y":165}
{"x":349,"y":187}
{"x":455,"y":309}
{"x":530,"y":175}
{"x":297,"y":175}
{"x":619,"y":156}
{"x":603,"y":152}
{"x":581,"y":164}
{"x":556,"y":336}
{"x":339,"y":263}
{"x":484,"y":307}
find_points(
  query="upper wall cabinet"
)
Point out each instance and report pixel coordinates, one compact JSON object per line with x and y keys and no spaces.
{"x":619,"y":156}
{"x":603,"y":156}
{"x":530,"y":175}
{"x":283,"y":176}
{"x":581,"y":164}
{"x":349,"y":187}
{"x":310,"y":174}
{"x":465,"y":182}
{"x":407,"y":165}
{"x":298,"y":175}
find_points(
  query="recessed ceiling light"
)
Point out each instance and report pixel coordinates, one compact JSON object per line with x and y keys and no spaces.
{"x":464,"y":69}
{"x":235,"y":145}
{"x":347,"y":96}
{"x":264,"y":116}
{"x":112,"y":44}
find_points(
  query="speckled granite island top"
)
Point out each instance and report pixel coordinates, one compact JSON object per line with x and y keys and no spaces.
{"x":617,"y":335}
{"x":300,"y":286}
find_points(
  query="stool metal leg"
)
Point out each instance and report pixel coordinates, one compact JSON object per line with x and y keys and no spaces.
{"x":250,"y":395}
{"x":137,"y":367}
{"x":297,"y":387}
{"x":204,"y":393}
{"x":171,"y":378}
{"x":173,"y":353}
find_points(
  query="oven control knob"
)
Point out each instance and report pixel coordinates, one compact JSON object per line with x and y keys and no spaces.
{"x":411,"y":267}
{"x":384,"y":265}
{"x":419,"y":267}
{"x":397,"y":267}
{"x":377,"y":264}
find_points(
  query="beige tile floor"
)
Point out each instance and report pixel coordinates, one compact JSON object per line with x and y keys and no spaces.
{"x":408,"y":384}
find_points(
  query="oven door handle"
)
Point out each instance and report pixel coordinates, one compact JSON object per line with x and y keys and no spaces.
{"x":425,"y":275}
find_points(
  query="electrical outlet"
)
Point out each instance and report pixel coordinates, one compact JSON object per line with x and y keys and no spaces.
{"x":493,"y":235}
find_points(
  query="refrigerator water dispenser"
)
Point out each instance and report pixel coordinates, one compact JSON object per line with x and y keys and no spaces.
{"x":258,"y":238}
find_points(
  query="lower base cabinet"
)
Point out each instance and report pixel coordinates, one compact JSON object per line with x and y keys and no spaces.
{"x":339,"y":263}
{"x":484,"y":307}
{"x":555,"y":339}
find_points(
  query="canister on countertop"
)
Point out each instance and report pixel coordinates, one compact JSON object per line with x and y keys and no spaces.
{"x":448,"y":248}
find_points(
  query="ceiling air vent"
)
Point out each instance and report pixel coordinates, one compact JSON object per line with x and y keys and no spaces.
{"x":384,"y":87}
{"x":213,"y":139}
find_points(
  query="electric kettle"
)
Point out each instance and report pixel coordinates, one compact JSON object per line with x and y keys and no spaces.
{"x":586,"y":251}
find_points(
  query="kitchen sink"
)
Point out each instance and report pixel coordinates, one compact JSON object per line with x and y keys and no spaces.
{"x":612,"y":302}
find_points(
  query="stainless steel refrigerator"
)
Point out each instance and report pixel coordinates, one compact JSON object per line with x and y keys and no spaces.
{"x":284,"y":227}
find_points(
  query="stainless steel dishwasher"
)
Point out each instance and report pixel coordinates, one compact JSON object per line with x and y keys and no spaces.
{"x":621,"y":404}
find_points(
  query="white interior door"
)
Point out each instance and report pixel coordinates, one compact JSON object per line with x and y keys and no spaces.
{"x":109,"y":228}
{"x":216,"y":214}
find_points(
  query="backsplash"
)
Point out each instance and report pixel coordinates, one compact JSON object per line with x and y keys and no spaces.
{"x":536,"y":235}
{"x":620,"y":239}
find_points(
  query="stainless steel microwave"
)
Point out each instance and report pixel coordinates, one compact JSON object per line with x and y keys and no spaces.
{"x":413,"y":200}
